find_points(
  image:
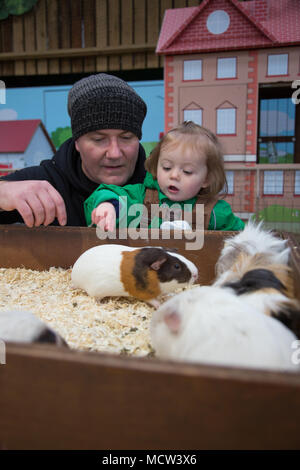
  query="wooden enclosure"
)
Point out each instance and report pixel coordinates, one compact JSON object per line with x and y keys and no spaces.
{"x":83,"y":36}
{"x":57,"y":398}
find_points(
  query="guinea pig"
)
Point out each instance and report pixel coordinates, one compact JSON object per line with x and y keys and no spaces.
{"x":268,"y":288}
{"x":211,"y":325}
{"x":20,"y":326}
{"x":143,"y":273}
{"x":252,"y":240}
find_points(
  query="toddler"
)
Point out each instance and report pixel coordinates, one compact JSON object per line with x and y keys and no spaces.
{"x":186,"y":167}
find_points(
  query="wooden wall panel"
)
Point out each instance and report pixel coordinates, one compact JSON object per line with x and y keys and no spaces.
{"x":53,"y":33}
{"x":139,"y":31}
{"x":84,"y":36}
{"x":89,"y":36}
{"x":30,"y":41}
{"x":114,"y":32}
{"x":41,"y":35}
{"x":101,"y":34}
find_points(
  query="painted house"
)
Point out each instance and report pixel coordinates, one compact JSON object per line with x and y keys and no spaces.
{"x":234,"y":67}
{"x":24,"y":143}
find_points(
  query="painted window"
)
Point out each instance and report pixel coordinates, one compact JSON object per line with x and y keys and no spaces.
{"x":297,"y":182}
{"x":194,"y":115}
{"x":273,"y":182}
{"x":218,"y":22}
{"x":226,"y":121}
{"x":278,"y":64}
{"x":192,"y":70}
{"x":226,"y":67}
{"x":230,"y":181}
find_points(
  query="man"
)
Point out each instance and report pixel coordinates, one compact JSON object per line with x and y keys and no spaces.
{"x":106,"y":120}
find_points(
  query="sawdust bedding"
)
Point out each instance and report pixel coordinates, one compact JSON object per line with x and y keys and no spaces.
{"x":116,"y":325}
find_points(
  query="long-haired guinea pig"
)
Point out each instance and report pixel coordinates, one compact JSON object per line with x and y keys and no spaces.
{"x":212,"y":325}
{"x":21,"y":326}
{"x":251,"y":241}
{"x":143,"y":273}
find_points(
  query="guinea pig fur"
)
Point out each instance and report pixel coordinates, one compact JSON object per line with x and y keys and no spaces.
{"x":211,"y":325}
{"x":252,"y":240}
{"x":19,"y":326}
{"x":143,"y":273}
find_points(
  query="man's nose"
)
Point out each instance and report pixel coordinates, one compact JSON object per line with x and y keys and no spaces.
{"x":113,"y":149}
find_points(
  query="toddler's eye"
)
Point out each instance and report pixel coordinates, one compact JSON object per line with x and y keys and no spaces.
{"x":166,"y":168}
{"x":187,"y":172}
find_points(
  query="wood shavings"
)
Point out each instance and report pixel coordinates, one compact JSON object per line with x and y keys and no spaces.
{"x":114,"y":324}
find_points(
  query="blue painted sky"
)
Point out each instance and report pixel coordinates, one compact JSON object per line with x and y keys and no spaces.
{"x":50,"y":105}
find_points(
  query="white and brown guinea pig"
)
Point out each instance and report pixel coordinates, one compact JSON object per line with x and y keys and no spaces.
{"x":143,"y":273}
{"x":21,"y":326}
{"x":211,"y":325}
{"x":253,"y":240}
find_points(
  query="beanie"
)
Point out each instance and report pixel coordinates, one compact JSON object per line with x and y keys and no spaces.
{"x":104,"y":101}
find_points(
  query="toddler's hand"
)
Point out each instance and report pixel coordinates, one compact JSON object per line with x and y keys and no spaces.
{"x":105,"y":217}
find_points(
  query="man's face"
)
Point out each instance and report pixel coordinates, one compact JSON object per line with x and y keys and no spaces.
{"x":108,"y":155}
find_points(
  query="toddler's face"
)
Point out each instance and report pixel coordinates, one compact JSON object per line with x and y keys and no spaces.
{"x":181,"y":172}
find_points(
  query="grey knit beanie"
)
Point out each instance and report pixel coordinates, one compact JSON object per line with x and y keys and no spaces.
{"x":103,"y":101}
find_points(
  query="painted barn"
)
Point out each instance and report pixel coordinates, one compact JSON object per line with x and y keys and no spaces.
{"x":234,"y":67}
{"x":24,"y":143}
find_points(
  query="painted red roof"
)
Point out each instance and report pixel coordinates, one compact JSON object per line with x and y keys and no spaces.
{"x":253,"y":24}
{"x":15,"y":136}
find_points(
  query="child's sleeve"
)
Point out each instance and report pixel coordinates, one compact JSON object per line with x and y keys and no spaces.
{"x":222,"y":218}
{"x":108,"y":193}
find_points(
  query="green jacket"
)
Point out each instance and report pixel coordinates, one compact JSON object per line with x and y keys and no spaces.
{"x":222,"y":217}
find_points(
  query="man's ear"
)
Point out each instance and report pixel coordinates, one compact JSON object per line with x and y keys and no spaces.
{"x":76,"y":146}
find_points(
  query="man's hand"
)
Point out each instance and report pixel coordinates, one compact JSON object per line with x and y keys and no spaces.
{"x":105,"y":217}
{"x":38,"y":202}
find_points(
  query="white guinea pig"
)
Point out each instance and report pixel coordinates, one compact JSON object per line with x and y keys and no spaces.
{"x":21,"y":326}
{"x":143,"y":273}
{"x":250,"y":241}
{"x":212,"y":325}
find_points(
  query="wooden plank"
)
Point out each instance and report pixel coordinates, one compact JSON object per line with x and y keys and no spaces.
{"x":114,"y":32}
{"x":140,"y":32}
{"x":53,"y":33}
{"x":41,"y":35}
{"x":74,"y":52}
{"x":65,"y":29}
{"x":101,"y":34}
{"x":74,"y":400}
{"x":76,"y":34}
{"x":7,"y":45}
{"x":152,"y":31}
{"x":126,"y":32}
{"x":89,"y":21}
{"x":18,"y":43}
{"x":29,"y":35}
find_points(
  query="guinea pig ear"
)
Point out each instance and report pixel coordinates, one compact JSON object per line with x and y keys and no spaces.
{"x":156,"y":265}
{"x":173,"y":321}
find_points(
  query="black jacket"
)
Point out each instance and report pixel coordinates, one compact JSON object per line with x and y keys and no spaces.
{"x":64,"y":172}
